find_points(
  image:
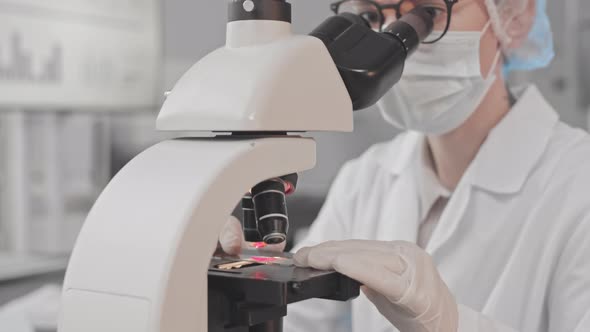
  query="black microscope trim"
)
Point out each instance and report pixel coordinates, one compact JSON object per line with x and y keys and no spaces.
{"x":371,"y":63}
{"x":271,"y":10}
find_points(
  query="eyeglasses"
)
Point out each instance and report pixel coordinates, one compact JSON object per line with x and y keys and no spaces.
{"x":373,"y":13}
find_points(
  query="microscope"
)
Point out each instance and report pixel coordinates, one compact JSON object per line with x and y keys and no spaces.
{"x":146,"y":259}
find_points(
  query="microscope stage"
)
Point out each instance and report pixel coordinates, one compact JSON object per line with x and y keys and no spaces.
{"x":273,"y":279}
{"x":251,"y":292}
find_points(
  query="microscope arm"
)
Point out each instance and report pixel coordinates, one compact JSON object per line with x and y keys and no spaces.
{"x":141,"y":261}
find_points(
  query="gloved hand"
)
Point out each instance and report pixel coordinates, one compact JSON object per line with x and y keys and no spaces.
{"x":398,"y":277}
{"x":232,"y":239}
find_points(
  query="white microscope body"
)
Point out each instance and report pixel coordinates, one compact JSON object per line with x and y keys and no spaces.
{"x":140,"y":263}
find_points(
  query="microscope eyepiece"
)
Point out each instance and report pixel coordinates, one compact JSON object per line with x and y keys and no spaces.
{"x":355,"y":19}
{"x":413,"y":28}
{"x":369,"y":62}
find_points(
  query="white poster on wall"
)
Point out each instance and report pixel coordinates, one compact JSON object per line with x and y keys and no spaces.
{"x":80,"y":54}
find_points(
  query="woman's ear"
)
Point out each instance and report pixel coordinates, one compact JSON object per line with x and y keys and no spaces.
{"x":520,"y":26}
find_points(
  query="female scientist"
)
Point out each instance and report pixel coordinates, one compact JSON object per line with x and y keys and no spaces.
{"x":477,"y":218}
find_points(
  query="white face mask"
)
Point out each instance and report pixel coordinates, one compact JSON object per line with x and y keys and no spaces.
{"x":441,"y":86}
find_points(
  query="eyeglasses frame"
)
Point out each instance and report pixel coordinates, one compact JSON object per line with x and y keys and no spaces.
{"x":449,"y":3}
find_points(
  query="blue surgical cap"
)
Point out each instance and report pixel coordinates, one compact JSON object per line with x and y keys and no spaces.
{"x":538,"y":50}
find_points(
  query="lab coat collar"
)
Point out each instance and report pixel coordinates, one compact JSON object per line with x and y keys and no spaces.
{"x":429,"y":186}
{"x":515,"y":145}
{"x":403,"y":152}
{"x":508,"y":155}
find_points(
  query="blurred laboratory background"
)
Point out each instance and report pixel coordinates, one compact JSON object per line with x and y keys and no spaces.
{"x":81,"y":82}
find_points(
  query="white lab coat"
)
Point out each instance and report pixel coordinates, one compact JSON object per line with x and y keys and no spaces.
{"x":513,"y":243}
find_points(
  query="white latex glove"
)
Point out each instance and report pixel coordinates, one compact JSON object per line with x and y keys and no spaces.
{"x":398,"y":277}
{"x":232,"y":239}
